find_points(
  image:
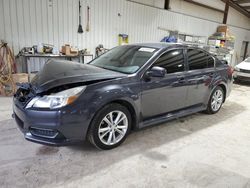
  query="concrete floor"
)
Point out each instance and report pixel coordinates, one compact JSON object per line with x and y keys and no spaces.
{"x":196,"y":151}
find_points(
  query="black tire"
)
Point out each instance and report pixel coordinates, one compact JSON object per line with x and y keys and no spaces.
{"x":209,"y":109}
{"x":93,"y":133}
{"x":236,"y":81}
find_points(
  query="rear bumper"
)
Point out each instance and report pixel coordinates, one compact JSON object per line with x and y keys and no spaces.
{"x":229,"y":87}
{"x":55,"y":128}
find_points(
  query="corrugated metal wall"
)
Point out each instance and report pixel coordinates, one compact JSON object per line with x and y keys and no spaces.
{"x":29,"y":22}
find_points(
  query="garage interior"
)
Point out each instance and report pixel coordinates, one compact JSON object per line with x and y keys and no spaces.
{"x":198,"y":150}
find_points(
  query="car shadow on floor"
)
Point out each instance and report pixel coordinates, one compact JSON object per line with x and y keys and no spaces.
{"x":241,"y":83}
{"x":67,"y":164}
{"x":143,"y":141}
{"x":156,"y":135}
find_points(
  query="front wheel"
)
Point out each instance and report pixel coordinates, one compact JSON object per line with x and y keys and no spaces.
{"x":110,"y":127}
{"x":216,"y":100}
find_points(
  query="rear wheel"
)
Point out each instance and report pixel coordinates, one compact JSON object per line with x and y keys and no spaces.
{"x":215,"y":101}
{"x":110,"y":126}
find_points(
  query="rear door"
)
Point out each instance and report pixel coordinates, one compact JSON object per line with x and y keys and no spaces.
{"x":163,"y":95}
{"x":201,"y":71}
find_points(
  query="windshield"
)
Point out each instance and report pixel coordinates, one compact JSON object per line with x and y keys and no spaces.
{"x":126,"y":59}
{"x":247,"y":60}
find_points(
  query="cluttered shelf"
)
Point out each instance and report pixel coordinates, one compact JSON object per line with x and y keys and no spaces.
{"x":45,"y":52}
{"x":21,"y":68}
{"x":57,"y":55}
{"x":49,"y":51}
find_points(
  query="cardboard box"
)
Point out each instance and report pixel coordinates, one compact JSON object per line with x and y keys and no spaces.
{"x":8,"y":88}
{"x":66,"y":49}
{"x":69,"y":51}
{"x":20,"y":78}
{"x":73,"y":51}
{"x":223,"y":29}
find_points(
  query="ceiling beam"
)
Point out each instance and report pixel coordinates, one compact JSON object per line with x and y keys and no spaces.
{"x":242,"y":1}
{"x":245,"y":7}
{"x":204,"y":6}
{"x":239,"y":8}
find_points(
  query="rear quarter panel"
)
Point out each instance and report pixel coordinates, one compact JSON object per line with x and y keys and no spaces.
{"x":221,"y":78}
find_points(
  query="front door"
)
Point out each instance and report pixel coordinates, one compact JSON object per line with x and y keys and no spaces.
{"x":163,"y":95}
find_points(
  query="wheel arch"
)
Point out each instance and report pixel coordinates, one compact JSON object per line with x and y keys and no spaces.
{"x":130,"y":108}
{"x":224,"y":91}
{"x":224,"y":88}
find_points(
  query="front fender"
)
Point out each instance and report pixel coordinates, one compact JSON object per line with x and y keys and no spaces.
{"x":116,"y":93}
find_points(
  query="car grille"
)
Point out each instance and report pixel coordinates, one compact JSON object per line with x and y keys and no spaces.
{"x":46,"y":133}
{"x":245,"y":71}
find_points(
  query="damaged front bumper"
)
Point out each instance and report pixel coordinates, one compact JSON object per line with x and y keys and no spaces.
{"x":50,"y":127}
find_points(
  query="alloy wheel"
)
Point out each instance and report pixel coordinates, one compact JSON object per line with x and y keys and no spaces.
{"x":113,"y":127}
{"x":217,"y":100}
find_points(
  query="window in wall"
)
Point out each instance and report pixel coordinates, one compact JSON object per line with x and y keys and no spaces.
{"x":172,"y":61}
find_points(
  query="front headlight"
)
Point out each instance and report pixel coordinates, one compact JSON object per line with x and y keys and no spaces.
{"x":57,"y":100}
{"x":236,"y":69}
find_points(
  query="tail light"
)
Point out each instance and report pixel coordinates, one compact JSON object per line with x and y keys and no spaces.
{"x":230,"y":71}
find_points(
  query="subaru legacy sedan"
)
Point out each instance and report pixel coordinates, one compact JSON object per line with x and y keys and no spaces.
{"x":127,"y":88}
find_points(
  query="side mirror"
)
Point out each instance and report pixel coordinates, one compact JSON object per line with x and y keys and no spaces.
{"x":156,"y":72}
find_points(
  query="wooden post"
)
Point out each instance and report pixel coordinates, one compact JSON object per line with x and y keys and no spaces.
{"x":166,"y":5}
{"x":245,"y":51}
{"x":226,"y":12}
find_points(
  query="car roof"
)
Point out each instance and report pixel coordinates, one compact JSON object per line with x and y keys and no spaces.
{"x":160,"y":45}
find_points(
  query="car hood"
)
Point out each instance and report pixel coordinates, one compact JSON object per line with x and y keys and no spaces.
{"x":244,"y":65}
{"x":58,"y":73}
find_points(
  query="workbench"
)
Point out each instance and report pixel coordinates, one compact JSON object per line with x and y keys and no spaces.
{"x":28,"y":62}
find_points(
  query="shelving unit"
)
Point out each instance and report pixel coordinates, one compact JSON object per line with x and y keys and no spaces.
{"x":222,"y":48}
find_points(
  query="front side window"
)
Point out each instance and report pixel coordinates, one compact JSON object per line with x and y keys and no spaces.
{"x":198,"y":59}
{"x":172,"y":61}
{"x":126,"y":59}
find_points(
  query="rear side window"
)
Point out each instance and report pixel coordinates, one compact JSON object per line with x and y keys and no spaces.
{"x":198,"y":59}
{"x":172,"y":61}
{"x":210,"y":62}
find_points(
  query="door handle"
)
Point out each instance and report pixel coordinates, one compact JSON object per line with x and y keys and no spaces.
{"x":197,"y":79}
{"x":211,"y":74}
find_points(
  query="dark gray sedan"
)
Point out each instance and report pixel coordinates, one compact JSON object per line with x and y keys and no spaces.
{"x":127,"y":88}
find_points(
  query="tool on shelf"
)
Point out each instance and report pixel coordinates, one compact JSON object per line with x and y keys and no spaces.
{"x":88,"y":25}
{"x":80,"y":30}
